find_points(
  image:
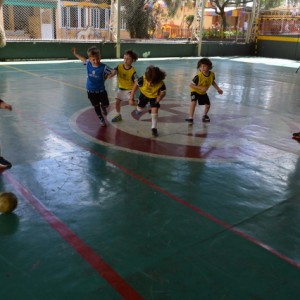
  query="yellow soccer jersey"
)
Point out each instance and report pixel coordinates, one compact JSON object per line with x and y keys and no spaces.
{"x":126,"y":78}
{"x":150,"y":91}
{"x":202,"y":80}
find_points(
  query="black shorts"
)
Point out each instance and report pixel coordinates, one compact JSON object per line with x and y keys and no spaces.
{"x":202,"y":99}
{"x":97,"y":98}
{"x":143,"y":101}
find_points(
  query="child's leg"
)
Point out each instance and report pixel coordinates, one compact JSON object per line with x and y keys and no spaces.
{"x":104,"y":102}
{"x":122,"y":95}
{"x":142,"y":102}
{"x":95,"y":101}
{"x":190,"y":119}
{"x":154,"y":116}
{"x":192,"y":109}
{"x":118,"y":106}
{"x":206,"y":109}
{"x":98,"y":111}
{"x":205,"y":117}
{"x":141,"y":105}
{"x":117,"y":117}
{"x":205,"y":100}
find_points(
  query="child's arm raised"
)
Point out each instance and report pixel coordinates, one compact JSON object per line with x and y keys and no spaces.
{"x":83,"y":59}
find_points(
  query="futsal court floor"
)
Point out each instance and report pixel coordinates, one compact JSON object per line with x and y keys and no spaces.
{"x":209,"y":211}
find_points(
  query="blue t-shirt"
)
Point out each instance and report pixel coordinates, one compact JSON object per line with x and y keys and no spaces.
{"x":96,"y":76}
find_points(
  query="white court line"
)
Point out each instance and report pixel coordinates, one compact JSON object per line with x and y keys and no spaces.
{"x":260,"y":60}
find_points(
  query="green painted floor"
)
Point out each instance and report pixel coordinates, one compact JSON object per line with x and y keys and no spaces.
{"x":203,"y":212}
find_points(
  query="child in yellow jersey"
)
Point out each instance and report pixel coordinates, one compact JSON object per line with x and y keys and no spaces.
{"x":199,"y":86}
{"x":126,"y":77}
{"x":152,"y":90}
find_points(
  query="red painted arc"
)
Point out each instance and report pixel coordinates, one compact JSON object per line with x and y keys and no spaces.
{"x":88,"y":123}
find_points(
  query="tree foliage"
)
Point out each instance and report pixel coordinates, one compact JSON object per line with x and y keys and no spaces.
{"x":219,"y":7}
{"x":189,"y":20}
{"x":141,"y":17}
{"x":137,"y":18}
{"x":172,"y":5}
{"x":267,"y":4}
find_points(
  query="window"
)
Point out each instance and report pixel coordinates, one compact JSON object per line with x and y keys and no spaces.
{"x":77,"y":17}
{"x":83,"y":18}
{"x":100,"y":18}
{"x":73,"y":17}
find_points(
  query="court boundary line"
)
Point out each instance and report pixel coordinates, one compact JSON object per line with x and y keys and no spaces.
{"x":283,"y":62}
{"x":85,"y":251}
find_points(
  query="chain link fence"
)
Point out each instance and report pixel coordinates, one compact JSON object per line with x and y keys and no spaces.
{"x":280,"y":22}
{"x":148,"y":20}
{"x":55,"y":20}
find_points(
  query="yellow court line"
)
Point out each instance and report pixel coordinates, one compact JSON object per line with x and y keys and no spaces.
{"x":279,"y":38}
{"x":47,"y":78}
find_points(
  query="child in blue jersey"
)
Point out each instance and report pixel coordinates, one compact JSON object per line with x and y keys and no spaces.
{"x":4,"y":164}
{"x":126,"y":77}
{"x":97,"y":73}
{"x":152,"y":90}
{"x":199,"y":86}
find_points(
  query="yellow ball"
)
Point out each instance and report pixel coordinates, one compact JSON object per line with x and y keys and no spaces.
{"x":8,"y":202}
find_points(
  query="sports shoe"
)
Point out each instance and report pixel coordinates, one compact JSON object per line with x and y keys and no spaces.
{"x":154,"y":132}
{"x":138,"y":112}
{"x":117,"y":118}
{"x":205,"y":118}
{"x":4,"y":164}
{"x":296,"y":135}
{"x":102,"y":122}
{"x":104,"y":110}
{"x":190,"y":121}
